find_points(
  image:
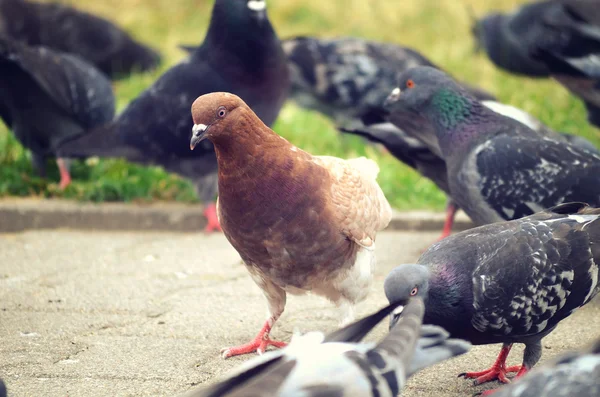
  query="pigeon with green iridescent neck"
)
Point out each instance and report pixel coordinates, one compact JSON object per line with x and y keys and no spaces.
{"x":498,"y":168}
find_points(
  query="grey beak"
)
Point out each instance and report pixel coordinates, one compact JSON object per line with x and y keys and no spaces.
{"x":198,"y":134}
{"x":393,"y":97}
{"x":395,"y":316}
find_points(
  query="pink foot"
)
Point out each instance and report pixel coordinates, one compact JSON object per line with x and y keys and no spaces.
{"x":65,"y":177}
{"x":210,"y":212}
{"x":497,"y":371}
{"x":259,"y":344}
{"x":450,"y":213}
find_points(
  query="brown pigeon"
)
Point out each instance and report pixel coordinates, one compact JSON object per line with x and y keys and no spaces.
{"x":300,"y":222}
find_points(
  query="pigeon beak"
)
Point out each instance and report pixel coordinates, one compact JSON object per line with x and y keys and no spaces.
{"x":260,"y":9}
{"x":395,"y":316}
{"x":198,"y":134}
{"x":393,"y":97}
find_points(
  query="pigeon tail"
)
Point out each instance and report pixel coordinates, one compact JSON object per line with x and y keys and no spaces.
{"x":103,"y":141}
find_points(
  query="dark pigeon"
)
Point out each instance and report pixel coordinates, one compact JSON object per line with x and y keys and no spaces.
{"x":339,"y":365}
{"x":575,"y":373}
{"x":66,"y":29}
{"x":240,"y":54}
{"x":498,"y":169}
{"x":508,"y":38}
{"x":3,"y":392}
{"x":507,"y":282}
{"x":418,"y":155}
{"x":48,"y":96}
{"x":570,"y":49}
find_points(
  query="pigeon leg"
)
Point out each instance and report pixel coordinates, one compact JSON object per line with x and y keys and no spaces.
{"x":497,"y":371}
{"x":63,"y":168}
{"x":210,"y":212}
{"x":450,"y":214}
{"x":276,"y":299}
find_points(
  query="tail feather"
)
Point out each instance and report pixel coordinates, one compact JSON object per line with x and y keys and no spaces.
{"x":103,"y":141}
{"x":434,"y":347}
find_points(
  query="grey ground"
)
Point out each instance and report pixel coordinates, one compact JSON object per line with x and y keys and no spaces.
{"x":145,"y":314}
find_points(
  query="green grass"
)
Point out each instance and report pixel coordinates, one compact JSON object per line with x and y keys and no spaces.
{"x":437,"y":28}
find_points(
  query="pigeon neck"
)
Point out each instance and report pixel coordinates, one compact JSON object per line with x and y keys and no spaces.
{"x":446,"y":302}
{"x":243,"y":150}
{"x":242,"y":39}
{"x":453,"y":115}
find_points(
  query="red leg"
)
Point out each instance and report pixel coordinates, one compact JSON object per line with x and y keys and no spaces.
{"x":450,"y":213}
{"x":259,"y":344}
{"x":497,"y":371}
{"x":522,"y":370}
{"x":210,"y":212}
{"x":65,"y":177}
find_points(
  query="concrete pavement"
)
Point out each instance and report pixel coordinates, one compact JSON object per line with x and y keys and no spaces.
{"x":145,"y":314}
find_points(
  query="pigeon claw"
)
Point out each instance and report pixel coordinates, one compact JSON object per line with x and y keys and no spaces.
{"x":258,"y":346}
{"x":496,"y":372}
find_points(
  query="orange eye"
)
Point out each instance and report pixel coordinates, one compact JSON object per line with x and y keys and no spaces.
{"x":410,"y":83}
{"x":414,"y":291}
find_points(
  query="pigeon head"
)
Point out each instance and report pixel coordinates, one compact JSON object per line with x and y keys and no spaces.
{"x":404,"y":282}
{"x":239,"y":12}
{"x":213,"y":115}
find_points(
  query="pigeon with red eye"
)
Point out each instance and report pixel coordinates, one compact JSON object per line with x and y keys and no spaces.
{"x":507,"y":282}
{"x":241,"y":53}
{"x":498,"y":168}
{"x":301,"y":223}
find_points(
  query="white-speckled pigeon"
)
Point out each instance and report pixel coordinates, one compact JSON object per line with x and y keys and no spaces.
{"x":338,"y":365}
{"x":575,"y":373}
{"x":240,"y":54}
{"x":498,"y":169}
{"x":507,"y":282}
{"x":418,"y":155}
{"x":66,"y":29}
{"x":48,"y":96}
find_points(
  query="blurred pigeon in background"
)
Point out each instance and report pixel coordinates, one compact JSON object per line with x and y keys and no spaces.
{"x":66,"y":29}
{"x":301,"y":223}
{"x":48,"y":96}
{"x":498,"y":168}
{"x":338,"y":365}
{"x":507,"y":282}
{"x":242,"y":54}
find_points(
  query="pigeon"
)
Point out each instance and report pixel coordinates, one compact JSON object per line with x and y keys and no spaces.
{"x":299,"y":222}
{"x":498,"y":168}
{"x":418,"y":156}
{"x":571,"y":374}
{"x":66,"y":29}
{"x":570,"y":50}
{"x":507,"y":39}
{"x":348,"y":78}
{"x":338,"y":365}
{"x":3,"y":392}
{"x":241,"y":54}
{"x":48,"y":96}
{"x":507,"y":282}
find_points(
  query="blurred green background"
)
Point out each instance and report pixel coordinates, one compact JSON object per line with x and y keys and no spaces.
{"x":439,"y":29}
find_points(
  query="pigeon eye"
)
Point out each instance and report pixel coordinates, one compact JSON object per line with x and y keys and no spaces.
{"x":221,"y":112}
{"x":414,"y":291}
{"x":410,"y":83}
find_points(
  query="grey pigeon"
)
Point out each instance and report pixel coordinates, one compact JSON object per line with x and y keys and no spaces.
{"x":48,"y":96}
{"x":66,"y":29}
{"x":507,"y":282}
{"x":349,"y":78}
{"x":338,"y":365}
{"x":570,"y":50}
{"x":417,"y":155}
{"x":240,"y":54}
{"x":508,"y":38}
{"x":498,"y":168}
{"x":575,"y":373}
